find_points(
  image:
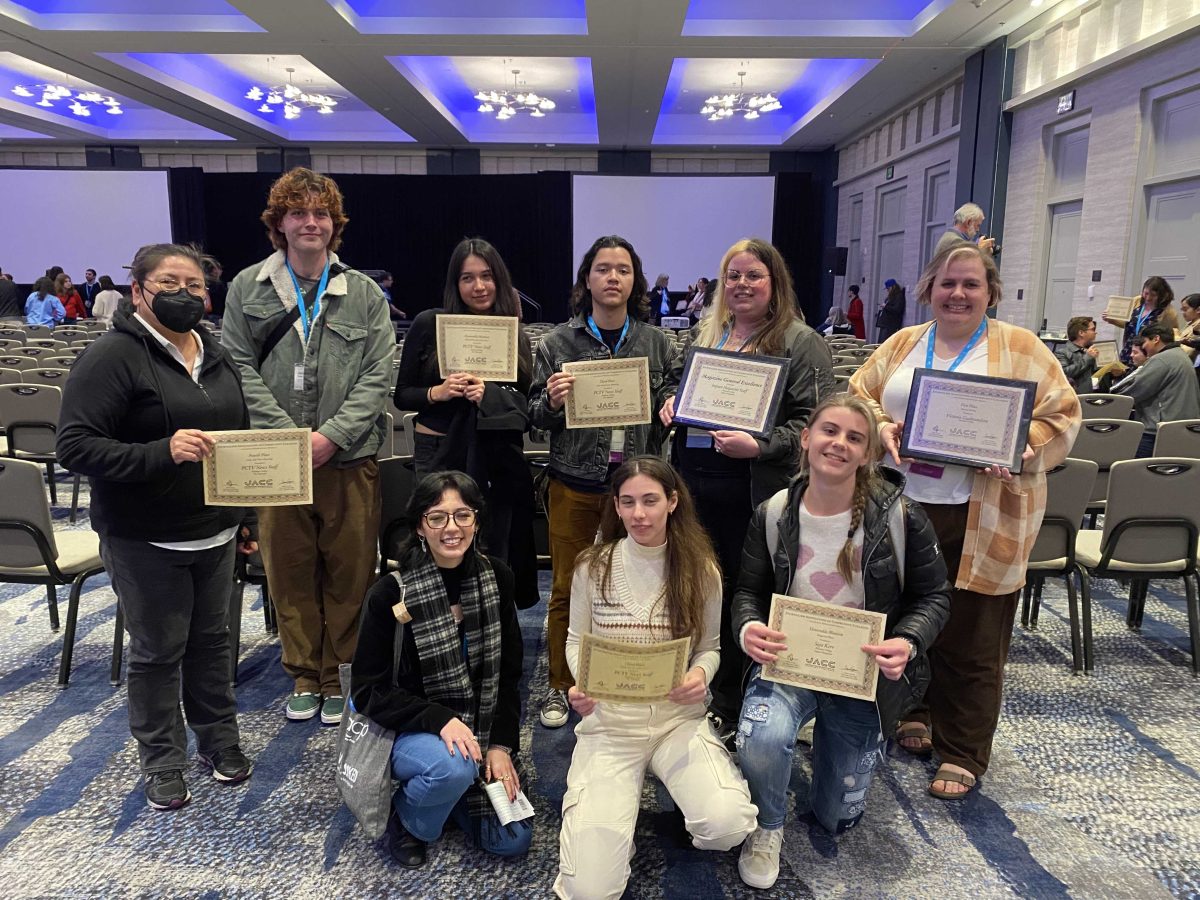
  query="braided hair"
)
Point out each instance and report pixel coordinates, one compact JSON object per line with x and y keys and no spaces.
{"x":864,"y":478}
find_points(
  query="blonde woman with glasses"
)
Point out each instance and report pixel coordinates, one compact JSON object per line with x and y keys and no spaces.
{"x":730,"y":472}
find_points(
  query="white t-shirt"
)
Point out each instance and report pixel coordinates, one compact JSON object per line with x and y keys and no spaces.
{"x":955,"y":484}
{"x":817,"y":576}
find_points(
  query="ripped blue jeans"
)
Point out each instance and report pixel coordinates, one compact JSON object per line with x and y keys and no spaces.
{"x":846,"y":750}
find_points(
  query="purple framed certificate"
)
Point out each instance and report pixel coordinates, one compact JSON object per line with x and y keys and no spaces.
{"x":738,"y":391}
{"x":967,"y":420}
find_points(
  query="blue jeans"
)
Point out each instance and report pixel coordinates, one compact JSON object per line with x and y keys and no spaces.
{"x":846,"y":748}
{"x":433,"y":790}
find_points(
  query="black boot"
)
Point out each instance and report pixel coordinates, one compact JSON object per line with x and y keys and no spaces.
{"x":406,"y":850}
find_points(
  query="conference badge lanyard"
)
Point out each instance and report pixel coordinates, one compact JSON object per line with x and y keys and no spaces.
{"x":1142,"y":317}
{"x":616,"y":444}
{"x":928,"y":469}
{"x":699,"y":438}
{"x":299,"y":371}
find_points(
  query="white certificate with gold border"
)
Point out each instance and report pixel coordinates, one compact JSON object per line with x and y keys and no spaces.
{"x":609,"y":393}
{"x":259,"y":468}
{"x":631,"y":673}
{"x":1106,"y":352}
{"x":1121,"y":308}
{"x":824,"y":644}
{"x":484,"y":346}
{"x":739,"y":391}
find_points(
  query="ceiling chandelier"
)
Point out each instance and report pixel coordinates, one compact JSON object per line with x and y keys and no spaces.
{"x":749,"y":106}
{"x":291,"y":98}
{"x":54,"y":93}
{"x":506,"y":104}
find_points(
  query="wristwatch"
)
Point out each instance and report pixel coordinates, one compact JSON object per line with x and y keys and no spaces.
{"x":912,"y":646}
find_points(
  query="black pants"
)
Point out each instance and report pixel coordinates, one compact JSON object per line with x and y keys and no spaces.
{"x":176,"y":606}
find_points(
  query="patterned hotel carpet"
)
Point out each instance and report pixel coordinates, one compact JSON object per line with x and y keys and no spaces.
{"x":1094,"y":790}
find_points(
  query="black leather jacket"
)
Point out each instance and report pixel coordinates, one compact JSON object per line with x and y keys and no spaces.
{"x":918,"y":613}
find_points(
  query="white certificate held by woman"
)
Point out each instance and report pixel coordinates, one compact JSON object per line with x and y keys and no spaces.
{"x":609,"y":393}
{"x":259,"y":468}
{"x":824,"y":647}
{"x":725,"y":390}
{"x":484,"y":346}
{"x":631,"y":673}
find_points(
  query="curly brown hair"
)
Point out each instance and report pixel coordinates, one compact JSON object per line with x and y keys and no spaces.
{"x":303,"y":189}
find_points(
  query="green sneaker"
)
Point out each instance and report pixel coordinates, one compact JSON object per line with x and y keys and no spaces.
{"x":332,"y":709}
{"x":303,"y":705}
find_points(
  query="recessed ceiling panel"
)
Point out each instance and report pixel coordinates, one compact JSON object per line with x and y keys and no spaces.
{"x":12,"y":133}
{"x":788,"y":18}
{"x":256,"y":90}
{"x":453,"y":83}
{"x":801,"y":87}
{"x":465,"y":16}
{"x":128,"y":15}
{"x":20,"y":79}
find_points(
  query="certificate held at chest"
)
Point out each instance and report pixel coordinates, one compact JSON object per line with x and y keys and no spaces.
{"x":630,"y":673}
{"x":724,"y":390}
{"x":259,"y":468}
{"x":609,"y":393}
{"x":824,"y":647}
{"x":484,"y":346}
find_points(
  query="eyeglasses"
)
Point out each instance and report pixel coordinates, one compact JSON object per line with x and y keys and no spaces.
{"x":751,"y":278}
{"x":463,"y":518}
{"x":171,"y":285}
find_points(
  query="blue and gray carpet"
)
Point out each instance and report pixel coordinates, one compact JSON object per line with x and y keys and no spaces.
{"x":1094,"y":790}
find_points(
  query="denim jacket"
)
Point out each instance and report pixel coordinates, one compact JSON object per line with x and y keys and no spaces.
{"x":583,"y":452}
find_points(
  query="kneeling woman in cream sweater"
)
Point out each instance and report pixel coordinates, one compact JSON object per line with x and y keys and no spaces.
{"x":653,"y":577}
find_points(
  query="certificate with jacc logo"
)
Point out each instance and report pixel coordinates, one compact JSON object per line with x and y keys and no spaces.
{"x":259,"y":468}
{"x":484,"y":346}
{"x":609,"y":393}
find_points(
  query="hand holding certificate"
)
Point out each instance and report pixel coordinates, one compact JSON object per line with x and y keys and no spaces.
{"x":1120,"y":308}
{"x":484,"y":346}
{"x":609,"y":393}
{"x":630,"y":673}
{"x":724,"y":390}
{"x":259,"y":468}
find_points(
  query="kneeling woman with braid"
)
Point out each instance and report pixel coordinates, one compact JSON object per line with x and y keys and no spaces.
{"x":452,"y":696}
{"x":840,"y":533}
{"x":652,"y":577}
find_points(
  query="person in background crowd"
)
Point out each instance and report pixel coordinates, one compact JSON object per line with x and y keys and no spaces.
{"x":385,"y":283}
{"x":968,"y":220}
{"x":107,"y":301}
{"x":609,"y":293}
{"x":854,"y":313}
{"x":465,"y":423}
{"x":314,"y":345}
{"x":840,"y":512}
{"x":1078,"y":356}
{"x":694,"y":299}
{"x":890,"y":317}
{"x":69,"y":297}
{"x":42,"y":307}
{"x":136,"y":418}
{"x":652,"y":576}
{"x":986,"y":519}
{"x":1188,"y":335}
{"x":10,"y":300}
{"x":453,"y":697}
{"x":730,"y":472}
{"x":89,"y":289}
{"x":1155,"y":307}
{"x":218,"y":290}
{"x":660,"y":298}
{"x":836,"y":323}
{"x":1163,"y":388}
{"x":53,"y":272}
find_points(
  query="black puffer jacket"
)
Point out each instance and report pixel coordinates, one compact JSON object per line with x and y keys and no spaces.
{"x":918,"y":613}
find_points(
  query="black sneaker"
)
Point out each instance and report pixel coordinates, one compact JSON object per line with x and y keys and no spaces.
{"x":405,"y":849}
{"x":229,"y":765}
{"x":167,"y":790}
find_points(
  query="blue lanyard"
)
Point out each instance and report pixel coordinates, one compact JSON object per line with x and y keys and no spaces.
{"x":594,"y":329}
{"x":1142,"y":317}
{"x":962,"y":354}
{"x":321,"y":285}
{"x":725,"y":337}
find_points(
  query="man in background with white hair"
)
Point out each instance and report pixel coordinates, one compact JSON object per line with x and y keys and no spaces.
{"x":968,"y":219}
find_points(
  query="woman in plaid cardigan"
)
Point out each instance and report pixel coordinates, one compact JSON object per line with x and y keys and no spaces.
{"x":986,"y":519}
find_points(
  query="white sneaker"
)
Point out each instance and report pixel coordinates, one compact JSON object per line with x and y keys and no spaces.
{"x":555,"y":709}
{"x":759,"y":863}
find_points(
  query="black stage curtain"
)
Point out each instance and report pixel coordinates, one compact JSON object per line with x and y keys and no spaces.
{"x":185,"y":187}
{"x":408,"y":224}
{"x":797,"y":233}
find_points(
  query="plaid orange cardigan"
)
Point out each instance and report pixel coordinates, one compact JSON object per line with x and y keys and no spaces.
{"x":1003,"y":517}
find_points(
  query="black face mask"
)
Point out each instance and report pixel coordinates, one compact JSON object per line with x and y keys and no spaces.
{"x":178,"y":311}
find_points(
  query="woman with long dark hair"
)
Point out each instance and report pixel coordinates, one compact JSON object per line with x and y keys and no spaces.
{"x":651,"y":577}
{"x":453,"y":695}
{"x":42,"y":307}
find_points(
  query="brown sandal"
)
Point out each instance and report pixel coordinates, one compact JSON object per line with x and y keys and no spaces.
{"x":949,"y":775}
{"x":915,"y":731}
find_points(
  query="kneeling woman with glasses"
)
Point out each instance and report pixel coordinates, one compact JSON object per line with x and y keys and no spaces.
{"x":452,"y":697}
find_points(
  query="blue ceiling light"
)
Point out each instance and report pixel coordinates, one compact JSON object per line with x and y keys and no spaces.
{"x":82,"y":102}
{"x":506,"y":104}
{"x":748,"y":106}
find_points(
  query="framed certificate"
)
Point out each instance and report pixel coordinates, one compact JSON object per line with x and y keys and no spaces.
{"x":1121,"y":307}
{"x":485,"y":346}
{"x":967,"y":420}
{"x":609,"y":393}
{"x":739,"y":391}
{"x":824,"y":644}
{"x":259,"y":468}
{"x":1106,"y":352}
{"x":631,"y":673}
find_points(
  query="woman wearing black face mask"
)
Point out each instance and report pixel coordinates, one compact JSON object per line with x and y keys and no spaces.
{"x":135,"y":418}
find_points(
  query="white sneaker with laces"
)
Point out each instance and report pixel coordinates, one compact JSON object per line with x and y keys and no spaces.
{"x":555,"y":709}
{"x":758,"y":864}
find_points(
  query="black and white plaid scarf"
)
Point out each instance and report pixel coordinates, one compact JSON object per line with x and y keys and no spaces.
{"x":468,"y":688}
